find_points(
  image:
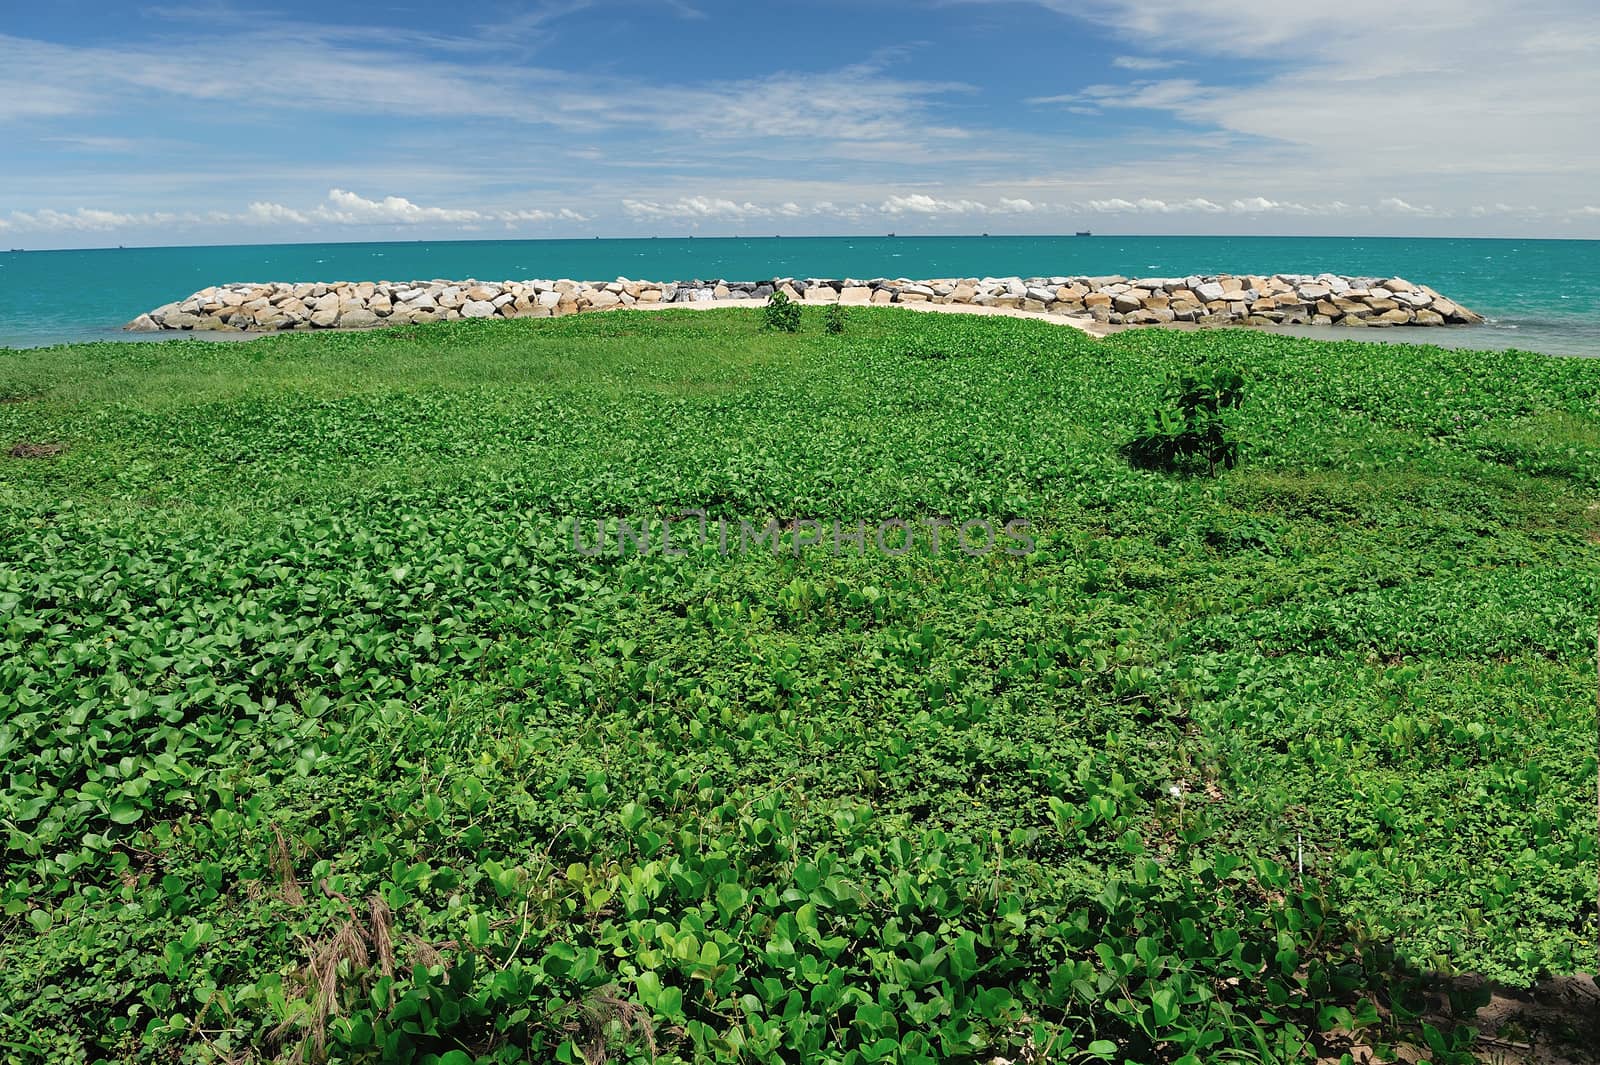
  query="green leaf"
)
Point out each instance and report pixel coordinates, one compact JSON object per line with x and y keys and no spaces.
{"x":731,"y":898}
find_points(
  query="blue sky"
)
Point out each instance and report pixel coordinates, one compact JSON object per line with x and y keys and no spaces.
{"x":284,"y":120}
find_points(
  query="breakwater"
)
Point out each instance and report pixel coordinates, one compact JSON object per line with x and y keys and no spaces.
{"x":1223,"y":299}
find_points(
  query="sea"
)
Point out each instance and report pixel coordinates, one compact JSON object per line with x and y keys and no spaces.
{"x":1539,"y":295}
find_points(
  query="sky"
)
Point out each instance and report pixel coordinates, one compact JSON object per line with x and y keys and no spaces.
{"x":283,"y":120}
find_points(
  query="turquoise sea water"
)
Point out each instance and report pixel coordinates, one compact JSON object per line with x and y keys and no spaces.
{"x":1538,"y":294}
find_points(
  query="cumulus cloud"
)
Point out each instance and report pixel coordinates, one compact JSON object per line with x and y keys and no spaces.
{"x":1395,"y":205}
{"x":348,"y":207}
{"x":342,"y":208}
{"x":695,"y":208}
{"x":921,"y":203}
{"x":269,"y":214}
{"x":85,"y":220}
{"x":1149,"y":205}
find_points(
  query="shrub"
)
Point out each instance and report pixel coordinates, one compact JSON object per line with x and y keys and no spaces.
{"x":782,"y":313}
{"x":833,"y":320}
{"x":1193,"y":424}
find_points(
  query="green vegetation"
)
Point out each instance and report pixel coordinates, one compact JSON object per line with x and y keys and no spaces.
{"x":782,"y":314}
{"x":320,"y":738}
{"x":1194,"y":422}
{"x":834,"y":319}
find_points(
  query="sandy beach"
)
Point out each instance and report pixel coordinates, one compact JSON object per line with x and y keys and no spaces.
{"x":1083,"y":325}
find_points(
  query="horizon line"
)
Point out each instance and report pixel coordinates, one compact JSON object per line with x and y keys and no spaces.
{"x":814,"y":236}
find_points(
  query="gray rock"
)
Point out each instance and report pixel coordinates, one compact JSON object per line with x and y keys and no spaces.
{"x":477,"y":309}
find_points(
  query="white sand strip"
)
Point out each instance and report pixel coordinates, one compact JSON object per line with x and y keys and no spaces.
{"x":1083,"y":325}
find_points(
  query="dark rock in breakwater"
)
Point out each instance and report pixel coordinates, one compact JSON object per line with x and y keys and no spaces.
{"x":1221,"y":299}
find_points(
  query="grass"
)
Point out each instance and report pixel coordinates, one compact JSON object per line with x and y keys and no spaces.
{"x":318,"y":737}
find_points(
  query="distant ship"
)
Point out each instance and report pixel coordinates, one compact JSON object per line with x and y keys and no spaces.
{"x":1083,"y":233}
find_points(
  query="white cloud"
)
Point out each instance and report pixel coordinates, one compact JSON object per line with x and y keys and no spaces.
{"x":1149,"y":205}
{"x":85,"y":220}
{"x":921,"y":203}
{"x":351,"y":209}
{"x":1398,"y":206}
{"x":694,"y":208}
{"x":272,"y":214}
{"x":343,"y":208}
{"x":1165,"y":94}
{"x":1262,"y":205}
{"x":1139,"y":62}
{"x":1487,"y":95}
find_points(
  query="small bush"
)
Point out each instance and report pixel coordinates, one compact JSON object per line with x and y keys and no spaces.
{"x":782,"y":313}
{"x":833,"y":321}
{"x":1194,"y":423}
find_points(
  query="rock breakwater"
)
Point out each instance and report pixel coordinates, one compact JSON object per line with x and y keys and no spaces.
{"x":1222,"y":299}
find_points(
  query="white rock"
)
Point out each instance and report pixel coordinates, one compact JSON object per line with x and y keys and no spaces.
{"x":477,"y":309}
